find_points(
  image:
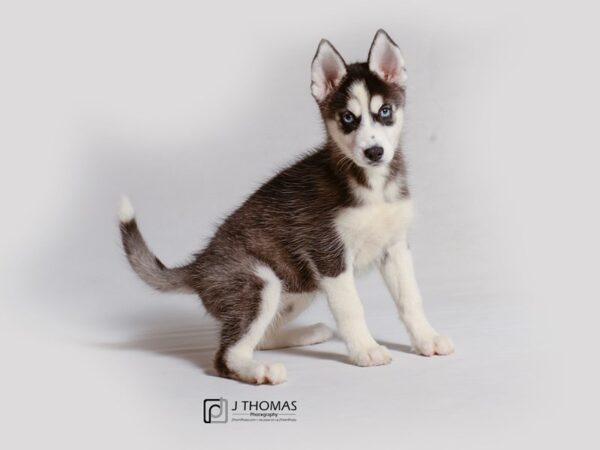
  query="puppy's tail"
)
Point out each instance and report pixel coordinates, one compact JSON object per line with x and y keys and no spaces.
{"x":143,"y":262}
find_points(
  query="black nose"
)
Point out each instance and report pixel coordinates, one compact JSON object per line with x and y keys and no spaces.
{"x":374,"y":154}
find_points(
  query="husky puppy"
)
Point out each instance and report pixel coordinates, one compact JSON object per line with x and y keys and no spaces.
{"x":341,"y":208}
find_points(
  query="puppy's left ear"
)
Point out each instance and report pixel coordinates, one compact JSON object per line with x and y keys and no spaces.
{"x":386,"y":60}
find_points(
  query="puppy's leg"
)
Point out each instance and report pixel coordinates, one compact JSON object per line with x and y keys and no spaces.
{"x":279,"y":337}
{"x":398,"y":273}
{"x":239,"y":338}
{"x":297,"y":337}
{"x":349,"y":315}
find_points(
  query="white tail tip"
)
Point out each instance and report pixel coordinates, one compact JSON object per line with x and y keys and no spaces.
{"x":126,"y":211}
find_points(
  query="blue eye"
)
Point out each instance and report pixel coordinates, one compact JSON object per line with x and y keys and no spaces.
{"x":385,"y":112}
{"x":348,"y":118}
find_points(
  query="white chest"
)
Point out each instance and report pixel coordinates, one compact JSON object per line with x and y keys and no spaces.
{"x":369,"y":229}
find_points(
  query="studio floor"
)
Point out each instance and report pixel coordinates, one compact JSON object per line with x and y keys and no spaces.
{"x":143,"y":370}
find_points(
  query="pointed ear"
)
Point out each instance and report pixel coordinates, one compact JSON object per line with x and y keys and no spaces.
{"x":328,"y":69}
{"x":386,"y":60}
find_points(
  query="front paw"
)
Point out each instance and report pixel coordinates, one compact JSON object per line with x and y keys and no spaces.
{"x":378,"y":355}
{"x":433,"y":345}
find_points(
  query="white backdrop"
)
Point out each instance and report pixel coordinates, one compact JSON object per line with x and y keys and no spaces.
{"x":188,"y":107}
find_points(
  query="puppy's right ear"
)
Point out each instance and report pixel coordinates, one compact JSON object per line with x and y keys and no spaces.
{"x":328,"y":69}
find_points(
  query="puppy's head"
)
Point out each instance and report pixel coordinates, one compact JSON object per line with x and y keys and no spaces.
{"x":362,"y":104}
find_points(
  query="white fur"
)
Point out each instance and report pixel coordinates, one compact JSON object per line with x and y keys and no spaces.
{"x":368,"y":230}
{"x":386,"y":60}
{"x":379,"y":189}
{"x":290,"y":307}
{"x":354,"y":106}
{"x":398,"y":273}
{"x":239,"y":357}
{"x":126,"y":211}
{"x":376,"y":103}
{"x":349,"y":315}
{"x":377,"y":231}
{"x":369,"y":133}
{"x":295,"y":337}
